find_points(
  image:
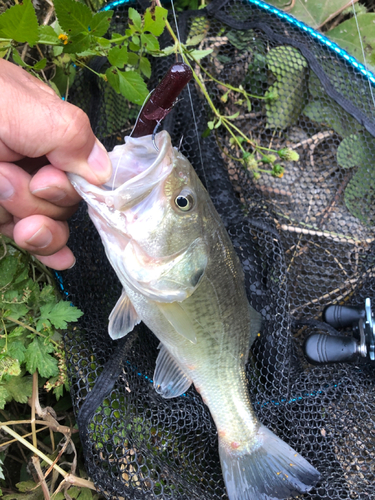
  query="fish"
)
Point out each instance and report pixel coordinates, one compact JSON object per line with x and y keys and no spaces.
{"x":181,"y":276}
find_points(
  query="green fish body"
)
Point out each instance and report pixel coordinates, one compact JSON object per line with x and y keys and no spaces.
{"x":183,"y":279}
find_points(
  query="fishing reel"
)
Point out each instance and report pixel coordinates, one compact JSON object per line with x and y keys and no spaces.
{"x":321,"y":349}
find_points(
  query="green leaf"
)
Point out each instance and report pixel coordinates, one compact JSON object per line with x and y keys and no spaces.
{"x":17,"y":310}
{"x":113,"y":78}
{"x":59,"y":314}
{"x":324,"y":110}
{"x":40,"y":64}
{"x":37,"y":357}
{"x":154,"y":20}
{"x":19,"y":388}
{"x":312,"y":12}
{"x":150,"y":43}
{"x":133,"y":59}
{"x":77,"y":43}
{"x":4,"y":395}
{"x":290,"y":69}
{"x":48,"y":34}
{"x":358,"y":150}
{"x":195,"y":40}
{"x":16,"y":349}
{"x":99,"y":24}
{"x":73,"y":17}
{"x":346,"y":36}
{"x":17,"y":59}
{"x":103,"y":42}
{"x":132,"y":86}
{"x":20,"y":23}
{"x":118,"y":56}
{"x":8,"y":269}
{"x":199,"y":54}
{"x":145,"y":66}
{"x":62,"y":75}
{"x":169,"y":50}
{"x":135,"y":18}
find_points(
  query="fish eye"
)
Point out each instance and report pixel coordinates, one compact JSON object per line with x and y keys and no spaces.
{"x":184,"y":201}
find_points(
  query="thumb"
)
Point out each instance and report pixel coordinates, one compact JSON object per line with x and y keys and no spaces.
{"x":36,"y":122}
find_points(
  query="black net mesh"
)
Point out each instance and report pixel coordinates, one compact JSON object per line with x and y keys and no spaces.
{"x":305,"y":240}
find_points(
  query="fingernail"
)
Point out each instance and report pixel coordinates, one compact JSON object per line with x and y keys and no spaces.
{"x":6,"y":188}
{"x":51,"y":193}
{"x":41,"y":239}
{"x":74,"y":263}
{"x":99,"y":162}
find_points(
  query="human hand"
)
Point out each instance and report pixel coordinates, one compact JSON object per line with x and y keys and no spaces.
{"x":41,"y":137}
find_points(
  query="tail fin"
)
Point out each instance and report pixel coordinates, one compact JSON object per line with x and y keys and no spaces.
{"x":268,"y":469}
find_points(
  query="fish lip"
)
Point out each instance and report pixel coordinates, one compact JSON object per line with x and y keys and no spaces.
{"x":135,"y":188}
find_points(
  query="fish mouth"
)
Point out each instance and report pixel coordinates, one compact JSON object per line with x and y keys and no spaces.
{"x":137,"y":168}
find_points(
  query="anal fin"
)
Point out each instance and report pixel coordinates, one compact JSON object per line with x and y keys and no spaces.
{"x":123,"y":318}
{"x":170,"y":380}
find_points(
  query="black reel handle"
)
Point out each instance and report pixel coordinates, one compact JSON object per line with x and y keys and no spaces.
{"x":321,"y":348}
{"x":343,"y":316}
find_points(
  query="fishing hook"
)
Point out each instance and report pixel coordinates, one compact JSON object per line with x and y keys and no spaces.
{"x":154,"y":134}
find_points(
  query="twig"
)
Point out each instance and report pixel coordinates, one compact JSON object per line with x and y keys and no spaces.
{"x":42,"y":480}
{"x":33,"y":399}
{"x":7,"y":443}
{"x":328,"y":295}
{"x":332,"y":16}
{"x":340,"y":238}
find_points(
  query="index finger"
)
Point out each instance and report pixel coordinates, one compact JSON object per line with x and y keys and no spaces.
{"x":36,"y":122}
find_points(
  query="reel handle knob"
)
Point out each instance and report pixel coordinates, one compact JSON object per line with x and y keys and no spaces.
{"x":320,"y":348}
{"x":343,"y":316}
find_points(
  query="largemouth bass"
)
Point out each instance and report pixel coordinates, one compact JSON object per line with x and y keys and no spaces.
{"x":183,"y":279}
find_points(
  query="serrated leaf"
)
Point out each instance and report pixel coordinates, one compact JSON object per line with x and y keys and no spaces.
{"x":19,"y":388}
{"x":154,"y":20}
{"x":77,"y":43}
{"x":132,"y":87}
{"x":169,"y":50}
{"x":199,"y":54}
{"x":48,"y":34}
{"x":16,"y":349}
{"x":60,"y":314}
{"x":73,"y":17}
{"x":17,"y":310}
{"x":194,"y":40}
{"x":290,"y":69}
{"x":37,"y":357}
{"x":135,"y":18}
{"x":99,"y":24}
{"x":149,"y":42}
{"x":20,"y":23}
{"x":113,"y":78}
{"x":118,"y":56}
{"x":145,"y":66}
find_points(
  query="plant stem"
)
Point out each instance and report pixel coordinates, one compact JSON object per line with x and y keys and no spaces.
{"x":28,"y":445}
{"x":32,"y":330}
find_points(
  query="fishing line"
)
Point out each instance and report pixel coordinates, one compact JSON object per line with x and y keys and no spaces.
{"x":363,"y":51}
{"x":122,"y":152}
{"x":192,"y":106}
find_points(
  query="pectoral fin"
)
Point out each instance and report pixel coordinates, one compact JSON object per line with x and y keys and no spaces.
{"x":179,"y":319}
{"x":170,"y":380}
{"x":123,"y":318}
